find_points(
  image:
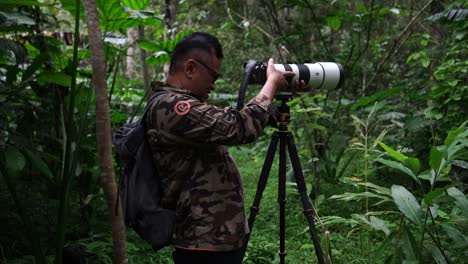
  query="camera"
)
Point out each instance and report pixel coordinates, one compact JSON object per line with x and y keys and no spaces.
{"x":327,"y":75}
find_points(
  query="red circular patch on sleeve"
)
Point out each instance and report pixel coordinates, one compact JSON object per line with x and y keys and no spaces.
{"x":182,"y":107}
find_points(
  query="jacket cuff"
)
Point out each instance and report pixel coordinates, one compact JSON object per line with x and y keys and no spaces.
{"x":263,"y":102}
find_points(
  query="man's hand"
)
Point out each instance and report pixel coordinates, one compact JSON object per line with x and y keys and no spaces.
{"x":277,"y":80}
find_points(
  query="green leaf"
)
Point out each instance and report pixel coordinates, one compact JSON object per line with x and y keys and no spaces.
{"x":461,"y":200}
{"x":454,"y":234}
{"x":227,"y":25}
{"x":438,"y":256}
{"x":434,"y":194}
{"x":453,"y":135}
{"x":413,"y":164}
{"x":378,"y":96}
{"x":136,"y":4}
{"x":39,"y":164}
{"x":393,"y":153}
{"x":406,"y":203}
{"x":377,"y":188}
{"x":16,"y":19}
{"x":435,"y":158}
{"x":451,"y":14}
{"x":334,"y":22}
{"x":59,"y":78}
{"x":307,"y":246}
{"x":14,"y":159}
{"x":160,"y":58}
{"x":148,"y":45}
{"x":428,"y":175}
{"x":398,"y":166}
{"x":384,"y":11}
{"x":21,"y":3}
{"x":461,"y":164}
{"x":359,"y":196}
{"x":425,"y":62}
{"x":375,"y":222}
{"x":453,"y":83}
{"x":424,"y":42}
{"x":358,"y":121}
{"x":409,"y":245}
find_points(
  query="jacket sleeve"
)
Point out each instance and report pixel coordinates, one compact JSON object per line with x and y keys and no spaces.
{"x":186,"y":118}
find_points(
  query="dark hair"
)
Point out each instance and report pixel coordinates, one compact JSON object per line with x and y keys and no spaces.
{"x":198,"y":40}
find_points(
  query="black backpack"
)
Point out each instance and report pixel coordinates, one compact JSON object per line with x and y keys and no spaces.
{"x":139,"y":184}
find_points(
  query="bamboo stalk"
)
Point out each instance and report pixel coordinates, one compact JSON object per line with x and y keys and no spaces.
{"x":67,"y":168}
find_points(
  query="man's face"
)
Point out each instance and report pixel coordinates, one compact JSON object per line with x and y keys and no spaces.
{"x":205,"y":72}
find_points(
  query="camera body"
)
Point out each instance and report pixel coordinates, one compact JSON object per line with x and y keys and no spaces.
{"x":328,"y":75}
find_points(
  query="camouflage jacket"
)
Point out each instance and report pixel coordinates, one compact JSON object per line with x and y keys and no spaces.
{"x":199,"y":176}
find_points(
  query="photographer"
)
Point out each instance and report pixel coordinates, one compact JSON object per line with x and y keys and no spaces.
{"x":188,"y":138}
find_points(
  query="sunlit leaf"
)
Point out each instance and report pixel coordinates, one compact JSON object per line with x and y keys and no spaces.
{"x":334,"y":22}
{"x":136,"y":4}
{"x":393,"y":153}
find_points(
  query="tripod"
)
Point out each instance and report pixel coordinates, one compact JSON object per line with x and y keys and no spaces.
{"x":285,"y":138}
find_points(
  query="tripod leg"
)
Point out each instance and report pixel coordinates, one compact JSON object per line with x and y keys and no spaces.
{"x":261,"y":184}
{"x":301,"y":186}
{"x":282,"y":195}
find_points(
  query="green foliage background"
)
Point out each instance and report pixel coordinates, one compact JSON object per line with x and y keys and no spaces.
{"x":384,"y":156}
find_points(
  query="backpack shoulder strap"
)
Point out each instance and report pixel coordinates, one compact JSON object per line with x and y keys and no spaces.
{"x":148,"y":106}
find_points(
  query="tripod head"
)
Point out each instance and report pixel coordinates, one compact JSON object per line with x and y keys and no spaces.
{"x":284,"y":110}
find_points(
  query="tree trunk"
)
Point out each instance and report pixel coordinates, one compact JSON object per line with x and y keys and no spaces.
{"x":169,"y":17}
{"x":130,"y":69}
{"x":144,"y":66}
{"x":103,"y":131}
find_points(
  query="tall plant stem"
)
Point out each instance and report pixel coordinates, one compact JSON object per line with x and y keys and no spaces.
{"x":103,"y":132}
{"x":114,"y":78}
{"x":423,"y":233}
{"x":67,"y":169}
{"x":366,"y":167}
{"x":436,"y":241}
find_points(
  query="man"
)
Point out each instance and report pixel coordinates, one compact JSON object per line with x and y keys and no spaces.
{"x":199,"y":178}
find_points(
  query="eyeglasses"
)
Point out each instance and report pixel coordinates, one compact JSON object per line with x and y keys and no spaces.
{"x":212,"y":72}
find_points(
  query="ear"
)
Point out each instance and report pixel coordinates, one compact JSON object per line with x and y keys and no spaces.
{"x":189,"y":69}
